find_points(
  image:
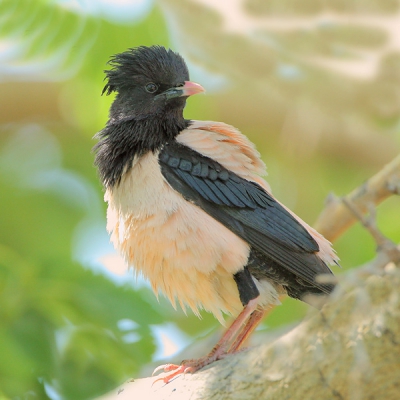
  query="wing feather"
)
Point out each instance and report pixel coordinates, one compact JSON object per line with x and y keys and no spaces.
{"x":245,"y":208}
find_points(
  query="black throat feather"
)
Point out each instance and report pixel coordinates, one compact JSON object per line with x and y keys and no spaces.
{"x":120,"y":143}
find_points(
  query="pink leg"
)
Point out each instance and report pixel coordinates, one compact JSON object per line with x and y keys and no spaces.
{"x":220,"y":349}
{"x":251,"y":324}
{"x":234,"y":329}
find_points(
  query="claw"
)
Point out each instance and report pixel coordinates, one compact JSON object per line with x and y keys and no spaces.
{"x":159,"y":368}
{"x":165,"y":368}
{"x":177,"y":370}
{"x":159,"y":379}
{"x":187,"y":366}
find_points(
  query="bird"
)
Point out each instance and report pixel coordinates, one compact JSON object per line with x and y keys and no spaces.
{"x":189,"y":209}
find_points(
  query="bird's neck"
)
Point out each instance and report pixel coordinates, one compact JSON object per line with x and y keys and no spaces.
{"x":126,"y":139}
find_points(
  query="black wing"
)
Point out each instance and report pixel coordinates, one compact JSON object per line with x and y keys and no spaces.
{"x":245,"y":208}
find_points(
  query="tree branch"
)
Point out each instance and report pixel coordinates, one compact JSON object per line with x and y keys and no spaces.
{"x":337,"y":217}
{"x":387,"y":251}
{"x":349,"y":350}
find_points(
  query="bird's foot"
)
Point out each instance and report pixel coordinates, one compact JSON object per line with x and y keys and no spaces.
{"x":187,"y":366}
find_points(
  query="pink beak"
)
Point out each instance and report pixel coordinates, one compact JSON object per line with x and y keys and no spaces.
{"x":191,"y":88}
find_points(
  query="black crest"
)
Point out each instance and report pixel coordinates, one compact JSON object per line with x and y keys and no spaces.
{"x":153,"y":63}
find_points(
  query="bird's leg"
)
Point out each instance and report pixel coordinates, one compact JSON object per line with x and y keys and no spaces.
{"x":222,"y":348}
{"x":251,"y":324}
{"x":234,"y":330}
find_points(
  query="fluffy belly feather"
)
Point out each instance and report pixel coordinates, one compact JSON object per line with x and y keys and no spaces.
{"x":184,"y":252}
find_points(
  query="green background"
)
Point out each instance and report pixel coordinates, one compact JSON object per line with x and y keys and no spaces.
{"x":316,"y":88}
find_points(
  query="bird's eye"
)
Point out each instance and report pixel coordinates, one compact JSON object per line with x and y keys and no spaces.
{"x":151,"y":87}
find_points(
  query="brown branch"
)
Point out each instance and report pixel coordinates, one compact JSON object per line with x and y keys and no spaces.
{"x":336,"y":217}
{"x":387,"y":250}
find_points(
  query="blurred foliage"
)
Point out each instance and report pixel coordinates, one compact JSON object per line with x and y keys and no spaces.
{"x":59,"y":324}
{"x":316,"y":88}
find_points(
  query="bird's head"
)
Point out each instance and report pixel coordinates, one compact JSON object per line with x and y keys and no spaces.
{"x":150,"y":82}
